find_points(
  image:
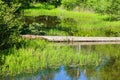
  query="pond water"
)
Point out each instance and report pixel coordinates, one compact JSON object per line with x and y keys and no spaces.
{"x":107,"y":69}
{"x":62,"y":73}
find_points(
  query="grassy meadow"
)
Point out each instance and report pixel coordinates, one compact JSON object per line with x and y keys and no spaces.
{"x":74,"y":23}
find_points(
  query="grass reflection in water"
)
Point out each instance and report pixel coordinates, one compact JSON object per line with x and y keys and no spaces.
{"x":37,"y":55}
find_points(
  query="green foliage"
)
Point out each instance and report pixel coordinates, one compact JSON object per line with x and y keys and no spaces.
{"x":74,"y":23}
{"x":111,"y":7}
{"x":69,"y":4}
{"x":105,"y":6}
{"x":55,"y":2}
{"x":42,"y":6}
{"x":9,"y":25}
{"x":36,"y":28}
{"x":24,"y":3}
{"x":39,"y":54}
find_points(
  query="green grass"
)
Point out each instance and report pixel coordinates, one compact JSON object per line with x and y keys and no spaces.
{"x":42,"y":6}
{"x":78,"y":23}
{"x":63,"y":13}
{"x":38,"y":55}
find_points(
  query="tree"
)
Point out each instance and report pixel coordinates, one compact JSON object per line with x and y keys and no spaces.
{"x":24,"y":3}
{"x":55,"y":2}
{"x":105,"y":6}
{"x":9,"y":25}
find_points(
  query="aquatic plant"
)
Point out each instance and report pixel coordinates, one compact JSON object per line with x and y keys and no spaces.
{"x":39,"y":55}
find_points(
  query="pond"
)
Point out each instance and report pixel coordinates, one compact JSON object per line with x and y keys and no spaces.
{"x":108,"y":67}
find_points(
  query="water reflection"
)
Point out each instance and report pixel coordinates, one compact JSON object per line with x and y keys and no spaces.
{"x":108,"y":68}
{"x":62,"y":74}
{"x":82,"y":76}
{"x":90,"y":46}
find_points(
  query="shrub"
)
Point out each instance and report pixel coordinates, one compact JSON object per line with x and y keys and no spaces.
{"x":105,"y":6}
{"x":9,"y":25}
{"x":69,"y":4}
{"x":42,"y":6}
{"x":55,"y":2}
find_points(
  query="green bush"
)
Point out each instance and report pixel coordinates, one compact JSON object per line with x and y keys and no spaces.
{"x":42,"y":6}
{"x":36,"y":29}
{"x":105,"y":6}
{"x":24,"y":3}
{"x":55,"y":2}
{"x":69,"y":4}
{"x":9,"y":25}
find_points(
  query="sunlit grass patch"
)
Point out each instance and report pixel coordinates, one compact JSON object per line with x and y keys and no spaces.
{"x":39,"y":55}
{"x":78,"y":23}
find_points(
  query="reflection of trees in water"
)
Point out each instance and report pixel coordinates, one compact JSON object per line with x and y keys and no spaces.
{"x":49,"y":74}
{"x":112,"y":70}
{"x":76,"y":73}
{"x":91,"y":73}
{"x":84,"y":72}
{"x":84,"y":48}
{"x":73,"y":72}
{"x":47,"y":77}
{"x":108,"y":49}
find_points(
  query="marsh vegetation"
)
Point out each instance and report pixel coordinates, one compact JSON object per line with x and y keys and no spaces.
{"x":39,"y":55}
{"x":40,"y":59}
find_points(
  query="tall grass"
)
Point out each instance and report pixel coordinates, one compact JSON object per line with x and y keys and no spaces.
{"x":79,"y":23}
{"x":39,"y":55}
{"x":63,"y":13}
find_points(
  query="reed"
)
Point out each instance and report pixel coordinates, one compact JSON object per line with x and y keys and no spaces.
{"x":39,"y":55}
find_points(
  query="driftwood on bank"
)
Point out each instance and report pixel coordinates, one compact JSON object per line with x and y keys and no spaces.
{"x":73,"y":38}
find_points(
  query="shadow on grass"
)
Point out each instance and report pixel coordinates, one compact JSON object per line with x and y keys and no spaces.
{"x":42,"y":24}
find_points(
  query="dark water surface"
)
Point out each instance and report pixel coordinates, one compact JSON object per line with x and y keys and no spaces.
{"x":62,"y":73}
